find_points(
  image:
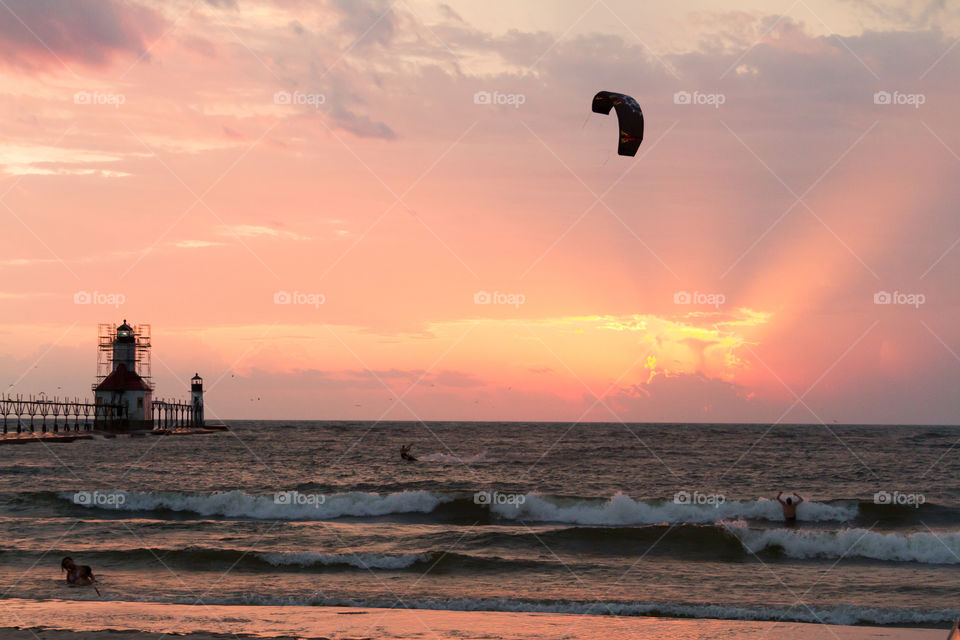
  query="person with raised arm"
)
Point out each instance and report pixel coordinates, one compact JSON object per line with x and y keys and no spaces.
{"x":789,"y":507}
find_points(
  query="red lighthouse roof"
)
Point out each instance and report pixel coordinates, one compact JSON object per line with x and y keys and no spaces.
{"x":122,"y":380}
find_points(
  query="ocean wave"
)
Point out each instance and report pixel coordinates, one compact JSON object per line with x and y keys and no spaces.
{"x":237,"y":504}
{"x":215,"y":558}
{"x":619,"y":510}
{"x":198,"y":558}
{"x":731,"y":541}
{"x":622,"y":510}
{"x":400,"y":561}
{"x":358,"y":560}
{"x":920,"y":547}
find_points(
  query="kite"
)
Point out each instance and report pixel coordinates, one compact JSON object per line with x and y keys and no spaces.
{"x":629,"y":115}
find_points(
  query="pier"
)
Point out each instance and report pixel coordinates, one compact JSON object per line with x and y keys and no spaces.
{"x":32,"y":414}
{"x":36,"y":419}
{"x":173,"y":414}
{"x":122,"y":405}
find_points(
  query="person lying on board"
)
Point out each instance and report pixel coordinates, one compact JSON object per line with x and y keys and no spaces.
{"x":789,"y":507}
{"x":79,"y":575}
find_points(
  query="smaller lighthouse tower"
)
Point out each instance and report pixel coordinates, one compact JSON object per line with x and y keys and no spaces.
{"x":196,"y":396}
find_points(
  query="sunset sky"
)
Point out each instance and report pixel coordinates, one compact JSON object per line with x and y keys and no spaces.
{"x":196,"y":164}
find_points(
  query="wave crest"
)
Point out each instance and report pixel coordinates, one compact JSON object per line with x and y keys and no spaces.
{"x":921,"y":547}
{"x":621,"y":509}
{"x":237,"y":504}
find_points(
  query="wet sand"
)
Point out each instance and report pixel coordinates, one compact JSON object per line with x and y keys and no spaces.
{"x":76,"y":620}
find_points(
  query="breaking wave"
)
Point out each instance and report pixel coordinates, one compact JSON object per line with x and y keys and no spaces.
{"x":624,"y":510}
{"x":279,"y":506}
{"x":921,"y":547}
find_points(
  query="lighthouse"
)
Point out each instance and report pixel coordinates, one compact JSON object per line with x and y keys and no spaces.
{"x":125,"y":348}
{"x":196,"y":396}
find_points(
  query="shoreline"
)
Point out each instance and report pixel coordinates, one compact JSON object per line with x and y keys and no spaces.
{"x":116,"y":620}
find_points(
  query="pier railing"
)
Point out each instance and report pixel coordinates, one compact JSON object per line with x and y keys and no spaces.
{"x":39,"y":414}
{"x":173,"y":414}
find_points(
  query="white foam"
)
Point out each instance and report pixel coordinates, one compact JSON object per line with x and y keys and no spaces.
{"x":237,"y":504}
{"x":624,"y":510}
{"x":359,"y":560}
{"x":922,"y":547}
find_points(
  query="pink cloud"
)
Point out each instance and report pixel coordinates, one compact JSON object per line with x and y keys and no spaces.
{"x":46,"y":34}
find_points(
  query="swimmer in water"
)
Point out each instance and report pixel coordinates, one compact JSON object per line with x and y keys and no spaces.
{"x":789,"y":507}
{"x":80,"y":575}
{"x":405,"y":453}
